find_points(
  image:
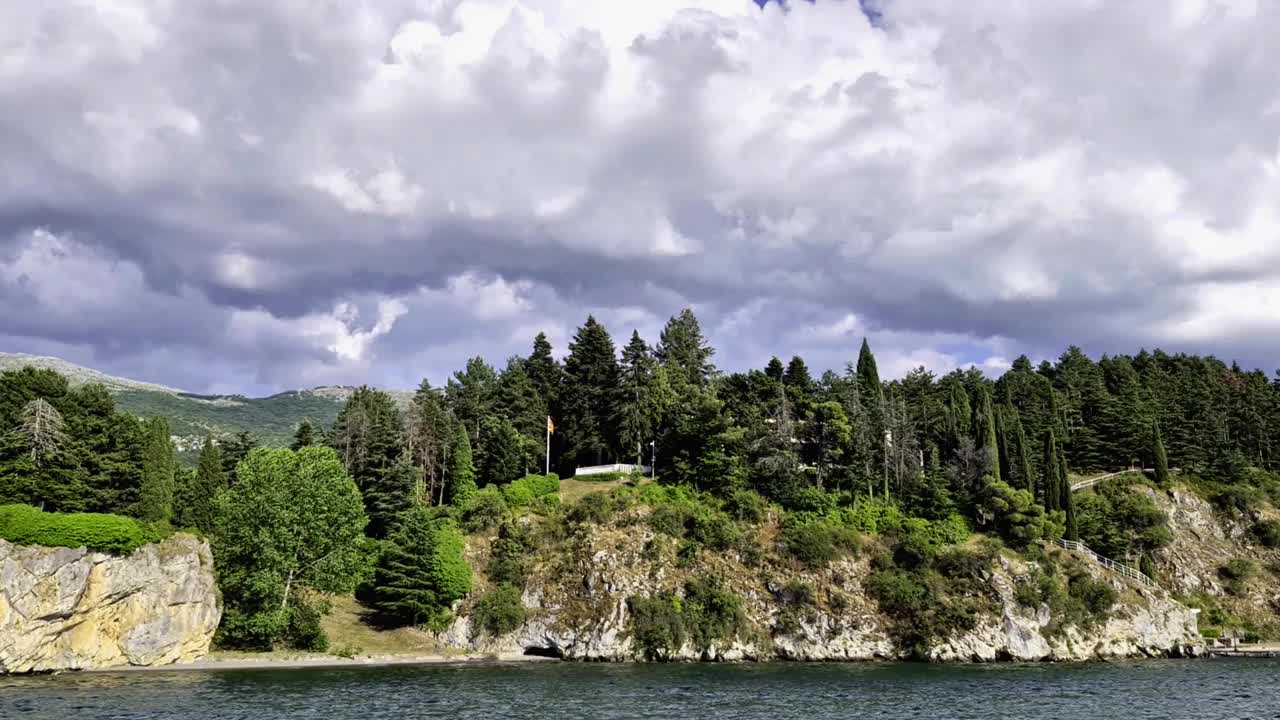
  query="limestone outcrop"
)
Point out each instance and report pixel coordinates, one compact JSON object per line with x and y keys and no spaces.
{"x":72,"y":609}
{"x":577,"y":609}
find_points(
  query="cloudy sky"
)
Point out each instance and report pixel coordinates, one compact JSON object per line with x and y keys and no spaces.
{"x":247,"y":196}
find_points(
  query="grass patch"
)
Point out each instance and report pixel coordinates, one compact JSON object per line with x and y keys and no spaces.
{"x":26,"y":525}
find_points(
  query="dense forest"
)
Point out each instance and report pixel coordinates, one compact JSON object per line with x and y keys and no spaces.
{"x":381,"y":499}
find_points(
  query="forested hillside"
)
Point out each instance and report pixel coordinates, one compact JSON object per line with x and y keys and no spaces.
{"x":919,"y":461}
{"x":271,"y":420}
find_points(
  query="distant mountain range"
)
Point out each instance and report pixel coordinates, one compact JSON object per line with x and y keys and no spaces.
{"x":271,"y":419}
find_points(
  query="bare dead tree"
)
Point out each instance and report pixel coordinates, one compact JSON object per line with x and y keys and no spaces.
{"x":43,"y":429}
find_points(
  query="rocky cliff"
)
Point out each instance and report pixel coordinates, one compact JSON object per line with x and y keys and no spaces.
{"x":577,"y":608}
{"x":70,"y":609}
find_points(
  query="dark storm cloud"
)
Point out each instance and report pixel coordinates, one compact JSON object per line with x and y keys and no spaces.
{"x":250,"y":196}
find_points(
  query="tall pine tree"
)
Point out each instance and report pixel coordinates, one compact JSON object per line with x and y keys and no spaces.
{"x":685,"y":352}
{"x":588,"y":398}
{"x":304,"y":436}
{"x":369,"y":437}
{"x":637,"y":404}
{"x":1051,"y":473}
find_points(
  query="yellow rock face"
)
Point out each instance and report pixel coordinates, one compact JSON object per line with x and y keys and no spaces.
{"x":70,"y":609}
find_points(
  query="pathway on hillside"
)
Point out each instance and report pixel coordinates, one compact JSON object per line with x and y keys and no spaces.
{"x":1117,"y":567}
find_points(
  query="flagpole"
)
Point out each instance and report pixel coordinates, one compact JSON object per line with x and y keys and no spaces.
{"x":548,"y":470}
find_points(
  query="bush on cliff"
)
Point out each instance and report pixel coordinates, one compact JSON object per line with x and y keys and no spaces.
{"x":26,"y":525}
{"x":522,"y":492}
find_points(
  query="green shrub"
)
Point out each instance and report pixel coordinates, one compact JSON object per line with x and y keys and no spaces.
{"x":799,"y":592}
{"x":1237,"y":498}
{"x":1097,"y":596}
{"x":499,"y":611}
{"x":303,"y":630}
{"x":712,"y":528}
{"x":1027,"y":592}
{"x":670,"y":519}
{"x":545,"y":505}
{"x":596,"y":508}
{"x":26,"y":525}
{"x":916,"y":546}
{"x":712,"y":612}
{"x":656,"y":626}
{"x":1267,"y":533}
{"x":965,"y":564}
{"x":1238,"y":572}
{"x":521,"y":493}
{"x":747,"y":505}
{"x":899,"y":594}
{"x":872,"y":516}
{"x":508,"y":561}
{"x":812,"y":543}
{"x":485,"y":509}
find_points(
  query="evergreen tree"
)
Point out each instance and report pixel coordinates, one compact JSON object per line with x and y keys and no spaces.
{"x":774,"y":370}
{"x":462,"y":471}
{"x":368,"y":435}
{"x":304,"y":436}
{"x":959,"y":414}
{"x":588,"y":398}
{"x":797,"y":376}
{"x":684,"y":352}
{"x":1161,"y":459}
{"x":985,"y":426}
{"x":502,"y":455}
{"x":428,"y":439}
{"x":1051,"y":472}
{"x":872,"y":395}
{"x":544,"y":371}
{"x":195,"y":509}
{"x":472,"y":395}
{"x":1026,"y":473}
{"x":155,"y":503}
{"x":521,"y":404}
{"x":233,"y":450}
{"x":638,"y":404}
{"x":422,"y":570}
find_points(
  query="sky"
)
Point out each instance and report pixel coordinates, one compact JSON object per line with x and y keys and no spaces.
{"x":245,"y":196}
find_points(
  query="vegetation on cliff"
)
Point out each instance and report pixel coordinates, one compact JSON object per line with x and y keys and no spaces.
{"x":769,"y":465}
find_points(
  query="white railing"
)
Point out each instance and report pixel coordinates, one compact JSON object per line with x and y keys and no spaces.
{"x":1106,"y":562}
{"x":1082,"y":484}
{"x":614,"y":468}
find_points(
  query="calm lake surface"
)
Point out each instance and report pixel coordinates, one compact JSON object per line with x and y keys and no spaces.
{"x":1154,"y":689}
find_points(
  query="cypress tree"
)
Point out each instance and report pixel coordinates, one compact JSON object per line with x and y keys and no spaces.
{"x":1051,"y":472}
{"x":1024,"y":453}
{"x":196,"y":507}
{"x":1161,"y":459}
{"x":462,"y":471}
{"x":985,"y":425}
{"x":159,"y":464}
{"x":872,"y":395}
{"x":304,"y":436}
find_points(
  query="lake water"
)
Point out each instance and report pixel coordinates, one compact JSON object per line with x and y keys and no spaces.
{"x":1155,"y":689}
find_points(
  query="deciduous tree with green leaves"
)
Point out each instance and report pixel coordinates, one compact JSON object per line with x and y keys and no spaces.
{"x":292,"y":524}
